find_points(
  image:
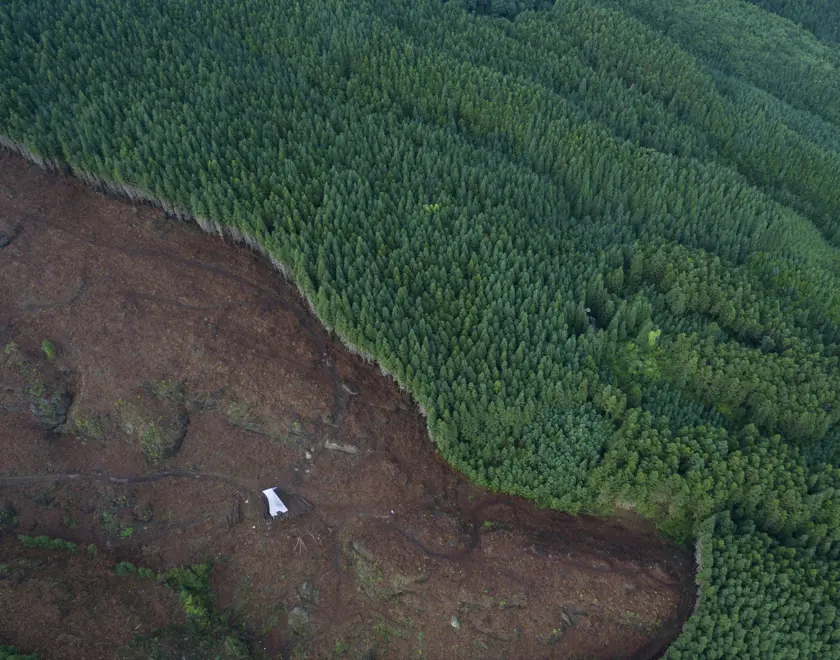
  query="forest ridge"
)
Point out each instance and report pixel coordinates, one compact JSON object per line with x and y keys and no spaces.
{"x":597,"y":240}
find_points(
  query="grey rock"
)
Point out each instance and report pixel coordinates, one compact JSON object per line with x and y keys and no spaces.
{"x":197,"y":403}
{"x":309,"y":593}
{"x":350,"y":388}
{"x":360,"y":547}
{"x":346,"y":449}
{"x":51,"y":411}
{"x":298,"y":620}
{"x":162,"y":437}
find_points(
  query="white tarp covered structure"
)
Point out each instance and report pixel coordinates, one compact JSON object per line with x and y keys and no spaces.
{"x":276,"y":506}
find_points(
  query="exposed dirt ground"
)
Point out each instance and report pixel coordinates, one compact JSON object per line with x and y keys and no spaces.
{"x":192,"y":377}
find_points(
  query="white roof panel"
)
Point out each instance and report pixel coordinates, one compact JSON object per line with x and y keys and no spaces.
{"x":275,"y":504}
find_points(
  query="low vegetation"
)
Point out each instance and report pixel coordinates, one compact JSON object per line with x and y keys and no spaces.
{"x":47,"y":543}
{"x":208,"y":634}
{"x":11,"y":653}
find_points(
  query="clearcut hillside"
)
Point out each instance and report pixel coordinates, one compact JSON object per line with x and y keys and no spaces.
{"x":598,"y":241}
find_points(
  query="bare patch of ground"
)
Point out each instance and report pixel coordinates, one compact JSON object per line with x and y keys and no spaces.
{"x":181,"y":378}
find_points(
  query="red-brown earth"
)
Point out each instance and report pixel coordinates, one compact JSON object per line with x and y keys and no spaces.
{"x":158,"y":328}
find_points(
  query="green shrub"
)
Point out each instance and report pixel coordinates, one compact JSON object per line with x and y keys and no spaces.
{"x":47,"y":543}
{"x":8,"y":519}
{"x":11,"y":653}
{"x":125,"y":568}
{"x":48,"y":349}
{"x":208,"y":634}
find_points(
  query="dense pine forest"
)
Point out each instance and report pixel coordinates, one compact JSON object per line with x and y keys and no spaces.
{"x":597,"y":240}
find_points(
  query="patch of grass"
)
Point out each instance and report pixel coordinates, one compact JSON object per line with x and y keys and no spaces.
{"x":145,"y":514}
{"x":37,"y":388}
{"x":112,"y":525}
{"x":341,"y":647}
{"x":369,"y":576}
{"x":12,"y":354}
{"x":8,"y":519}
{"x":160,"y":437}
{"x":279,"y":610}
{"x":383,"y":633}
{"x":11,"y":653}
{"x":208,"y":634}
{"x":242,"y":595}
{"x":173,"y":392}
{"x":46,"y":543}
{"x":238,"y":412}
{"x":240,"y":415}
{"x":47,"y":403}
{"x":92,"y":427}
{"x":44,"y":496}
{"x":48,"y":349}
{"x":152,"y":442}
{"x":493,"y":525}
{"x":376,"y":584}
{"x":127,"y":569}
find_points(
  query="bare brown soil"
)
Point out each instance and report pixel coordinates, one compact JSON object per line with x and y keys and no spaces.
{"x":154,"y":322}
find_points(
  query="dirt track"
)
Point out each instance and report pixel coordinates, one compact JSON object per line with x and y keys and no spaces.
{"x":153,"y":321}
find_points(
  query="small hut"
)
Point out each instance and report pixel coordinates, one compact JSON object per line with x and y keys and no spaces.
{"x":280,"y":505}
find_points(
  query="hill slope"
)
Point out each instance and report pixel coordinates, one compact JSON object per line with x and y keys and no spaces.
{"x":598,"y":243}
